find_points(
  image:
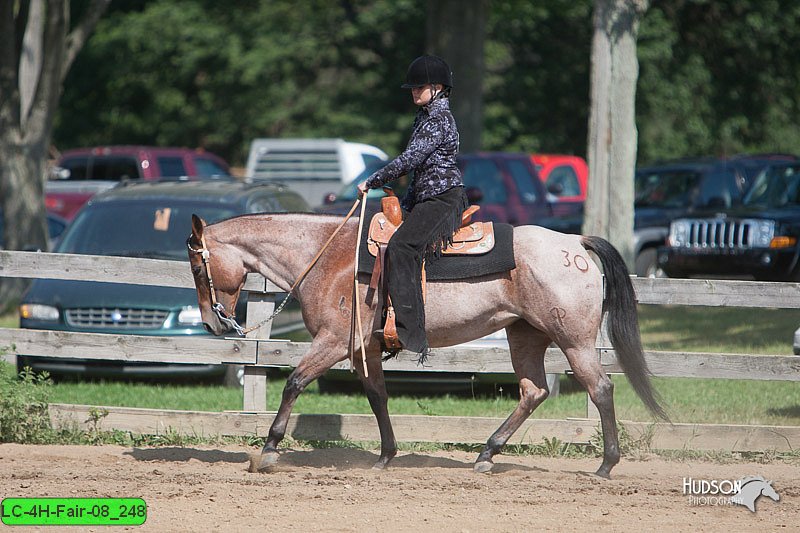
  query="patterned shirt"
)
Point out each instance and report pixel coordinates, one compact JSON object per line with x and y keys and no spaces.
{"x":431,"y":154}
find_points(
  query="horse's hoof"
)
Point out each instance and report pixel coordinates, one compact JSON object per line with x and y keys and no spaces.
{"x":380,"y":465}
{"x":483,"y":467}
{"x":264,"y":462}
{"x":603,"y":473}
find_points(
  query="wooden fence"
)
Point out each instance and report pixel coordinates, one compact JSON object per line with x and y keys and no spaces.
{"x":258,"y":352}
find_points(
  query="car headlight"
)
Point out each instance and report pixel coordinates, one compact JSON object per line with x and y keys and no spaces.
{"x":679,"y":233}
{"x":190,"y":316}
{"x":763,"y":231}
{"x":38,"y":312}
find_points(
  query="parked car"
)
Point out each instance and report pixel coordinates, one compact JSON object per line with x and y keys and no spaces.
{"x":758,"y":239}
{"x":81,"y":173}
{"x":148,"y":220}
{"x":314,"y":168}
{"x":55,"y":227}
{"x":675,"y":189}
{"x":566,"y":178}
{"x":505,"y":186}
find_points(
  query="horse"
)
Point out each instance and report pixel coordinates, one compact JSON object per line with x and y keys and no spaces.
{"x":553,"y":295}
{"x":752,"y":488}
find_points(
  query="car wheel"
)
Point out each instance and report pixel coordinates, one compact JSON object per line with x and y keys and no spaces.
{"x":647,"y":264}
{"x":334,"y":386}
{"x":234,"y":376}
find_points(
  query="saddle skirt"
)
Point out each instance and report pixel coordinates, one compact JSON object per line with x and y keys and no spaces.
{"x":472,"y":238}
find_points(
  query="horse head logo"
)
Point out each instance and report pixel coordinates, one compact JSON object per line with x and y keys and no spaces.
{"x":752,"y":488}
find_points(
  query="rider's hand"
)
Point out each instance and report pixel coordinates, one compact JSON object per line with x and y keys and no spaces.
{"x":362,"y":189}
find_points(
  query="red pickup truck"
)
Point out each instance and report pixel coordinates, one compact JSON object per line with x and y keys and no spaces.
{"x":81,"y":173}
{"x":566,"y":177}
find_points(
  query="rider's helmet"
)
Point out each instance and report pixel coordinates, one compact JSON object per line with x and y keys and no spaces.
{"x":426,"y":70}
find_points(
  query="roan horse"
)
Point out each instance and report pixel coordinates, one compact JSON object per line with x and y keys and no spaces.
{"x":555,"y":294}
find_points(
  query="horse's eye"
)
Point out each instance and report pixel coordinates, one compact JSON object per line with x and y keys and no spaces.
{"x":196,"y":270}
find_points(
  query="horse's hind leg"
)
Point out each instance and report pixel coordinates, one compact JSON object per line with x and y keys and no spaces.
{"x":375,"y":389}
{"x":587,"y":369}
{"x":527,"y":346}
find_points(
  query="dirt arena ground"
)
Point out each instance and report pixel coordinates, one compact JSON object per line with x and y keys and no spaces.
{"x":205,"y":489}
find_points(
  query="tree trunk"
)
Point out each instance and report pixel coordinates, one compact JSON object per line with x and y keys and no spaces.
{"x":36,"y":51}
{"x":456,"y":31}
{"x":612,"y":127}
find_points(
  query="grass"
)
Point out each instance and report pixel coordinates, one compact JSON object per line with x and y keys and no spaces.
{"x":9,"y":320}
{"x":762,"y":331}
{"x":718,"y":329}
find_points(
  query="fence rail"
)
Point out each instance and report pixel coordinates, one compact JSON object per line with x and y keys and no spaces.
{"x":258,"y":351}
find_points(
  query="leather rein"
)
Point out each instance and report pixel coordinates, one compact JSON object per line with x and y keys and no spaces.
{"x":229,"y":320}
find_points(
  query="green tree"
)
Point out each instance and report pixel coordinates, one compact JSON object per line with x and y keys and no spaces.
{"x":218,"y":78}
{"x":718,"y":78}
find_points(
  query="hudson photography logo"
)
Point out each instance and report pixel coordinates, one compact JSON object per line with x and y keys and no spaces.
{"x":745,"y":491}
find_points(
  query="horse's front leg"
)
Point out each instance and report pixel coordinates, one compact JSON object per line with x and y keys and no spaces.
{"x":375,"y":388}
{"x":326,"y":350}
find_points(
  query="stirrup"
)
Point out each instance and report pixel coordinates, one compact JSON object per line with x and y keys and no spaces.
{"x":390,"y":339}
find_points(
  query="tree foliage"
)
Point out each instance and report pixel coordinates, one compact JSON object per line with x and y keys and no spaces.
{"x":715,"y":76}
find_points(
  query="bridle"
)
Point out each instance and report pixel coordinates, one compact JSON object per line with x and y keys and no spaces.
{"x":229,"y":320}
{"x":216,"y":306}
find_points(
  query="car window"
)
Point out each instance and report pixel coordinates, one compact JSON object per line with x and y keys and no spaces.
{"x":485,"y":175}
{"x":565,"y":177}
{"x":207,"y":168}
{"x":673,"y":188}
{"x":78,"y":168}
{"x":114,"y":168}
{"x":154,"y":230}
{"x":777,"y":187}
{"x":171,"y":167}
{"x":524,"y":180}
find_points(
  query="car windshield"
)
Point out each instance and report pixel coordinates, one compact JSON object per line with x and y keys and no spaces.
{"x":777,"y":186}
{"x":673,"y":188}
{"x":156,"y":230}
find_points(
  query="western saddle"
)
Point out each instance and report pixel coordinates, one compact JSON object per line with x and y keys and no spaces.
{"x":472,"y":238}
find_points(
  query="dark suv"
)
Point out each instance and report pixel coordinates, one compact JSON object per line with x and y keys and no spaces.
{"x":756,"y":239}
{"x":679,"y":188}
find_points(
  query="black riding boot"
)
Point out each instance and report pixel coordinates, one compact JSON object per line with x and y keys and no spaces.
{"x":424,"y":228}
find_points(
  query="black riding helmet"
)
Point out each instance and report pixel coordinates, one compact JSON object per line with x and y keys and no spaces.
{"x":426,"y":70}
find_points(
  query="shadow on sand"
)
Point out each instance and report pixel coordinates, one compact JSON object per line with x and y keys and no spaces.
{"x":334,"y":458}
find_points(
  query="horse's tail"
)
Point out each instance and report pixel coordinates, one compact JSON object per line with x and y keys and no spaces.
{"x":623,"y":322}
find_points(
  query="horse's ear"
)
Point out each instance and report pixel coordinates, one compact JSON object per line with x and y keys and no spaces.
{"x":197,"y":227}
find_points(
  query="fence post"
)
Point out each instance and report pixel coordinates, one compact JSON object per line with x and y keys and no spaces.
{"x":260,"y":305}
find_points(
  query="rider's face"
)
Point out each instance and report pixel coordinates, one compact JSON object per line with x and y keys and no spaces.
{"x":422,"y":95}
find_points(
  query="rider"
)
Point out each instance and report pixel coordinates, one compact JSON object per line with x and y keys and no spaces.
{"x":435,"y":199}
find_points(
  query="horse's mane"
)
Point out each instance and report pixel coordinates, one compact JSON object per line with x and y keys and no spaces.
{"x":281,"y":214}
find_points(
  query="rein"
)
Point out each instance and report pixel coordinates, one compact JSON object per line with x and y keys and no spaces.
{"x":219,"y":309}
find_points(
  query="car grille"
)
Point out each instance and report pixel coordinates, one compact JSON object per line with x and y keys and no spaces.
{"x":721,"y":233}
{"x":104,"y":317}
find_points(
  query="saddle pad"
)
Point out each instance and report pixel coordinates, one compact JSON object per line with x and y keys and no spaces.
{"x":451,"y":267}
